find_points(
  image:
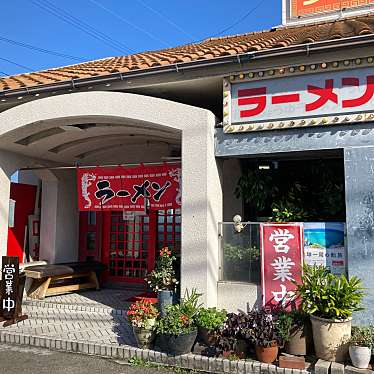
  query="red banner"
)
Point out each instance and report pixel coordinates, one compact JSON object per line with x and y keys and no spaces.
{"x":127,"y":189}
{"x":281,"y":261}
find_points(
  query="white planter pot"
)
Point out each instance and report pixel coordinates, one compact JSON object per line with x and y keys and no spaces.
{"x":360,"y":356}
{"x":331,"y":338}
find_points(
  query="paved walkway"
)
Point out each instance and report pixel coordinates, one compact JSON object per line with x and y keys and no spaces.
{"x":91,"y":316}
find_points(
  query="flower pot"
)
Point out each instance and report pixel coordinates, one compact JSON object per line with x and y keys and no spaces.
{"x":204,"y":336}
{"x":331,"y":338}
{"x":144,"y":337}
{"x":360,"y":356}
{"x":267,"y":354}
{"x":300,"y":341}
{"x":165,"y":298}
{"x":176,"y":345}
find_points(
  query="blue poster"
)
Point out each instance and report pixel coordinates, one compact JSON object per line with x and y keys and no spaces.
{"x":324,"y":245}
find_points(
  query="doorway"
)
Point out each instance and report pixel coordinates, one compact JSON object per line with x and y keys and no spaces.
{"x":128,"y":247}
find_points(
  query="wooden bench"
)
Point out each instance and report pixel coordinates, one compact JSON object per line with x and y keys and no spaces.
{"x":48,"y":280}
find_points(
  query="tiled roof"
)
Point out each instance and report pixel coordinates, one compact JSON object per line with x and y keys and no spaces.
{"x":206,"y":50}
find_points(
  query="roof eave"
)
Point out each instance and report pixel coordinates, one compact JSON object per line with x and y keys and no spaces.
{"x":308,"y":48}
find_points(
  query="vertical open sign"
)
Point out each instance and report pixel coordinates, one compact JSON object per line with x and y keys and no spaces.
{"x":9,"y":286}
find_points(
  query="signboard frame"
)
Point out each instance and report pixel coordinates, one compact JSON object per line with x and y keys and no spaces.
{"x":323,"y":10}
{"x":261,"y":78}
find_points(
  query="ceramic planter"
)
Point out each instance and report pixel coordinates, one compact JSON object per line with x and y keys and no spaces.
{"x":176,"y":345}
{"x":360,"y":356}
{"x":165,"y":298}
{"x":300,"y":342}
{"x":331,"y":338}
{"x":267,"y":354}
{"x":144,"y":337}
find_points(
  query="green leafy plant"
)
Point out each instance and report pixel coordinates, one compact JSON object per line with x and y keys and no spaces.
{"x":211,"y":318}
{"x":286,"y":322}
{"x":239,"y":253}
{"x":255,"y":187}
{"x":362,"y":336}
{"x":163,"y":276}
{"x":181,"y":318}
{"x":327,"y":295}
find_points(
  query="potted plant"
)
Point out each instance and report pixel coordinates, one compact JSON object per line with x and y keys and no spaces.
{"x":330,"y":301}
{"x":162,"y":279}
{"x":177,"y":329}
{"x":208,"y":320}
{"x":233,"y":337}
{"x":293,"y":329}
{"x":265,"y":335}
{"x":360,"y":346}
{"x":142,"y":316}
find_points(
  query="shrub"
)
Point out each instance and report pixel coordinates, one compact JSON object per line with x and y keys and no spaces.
{"x":211,"y":318}
{"x":362,"y":336}
{"x":327,"y":295}
{"x":142,"y":314}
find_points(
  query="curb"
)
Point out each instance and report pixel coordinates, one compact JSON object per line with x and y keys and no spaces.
{"x":125,"y":353}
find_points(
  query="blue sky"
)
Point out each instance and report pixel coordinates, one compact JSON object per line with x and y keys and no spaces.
{"x":127,"y":26}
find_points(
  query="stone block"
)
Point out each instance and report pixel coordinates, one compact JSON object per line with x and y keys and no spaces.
{"x":336,"y":368}
{"x":353,"y":370}
{"x":241,"y":367}
{"x":322,"y":367}
{"x":256,"y":367}
{"x":272,"y":369}
{"x":204,"y":363}
{"x":218,"y":365}
{"x":226,"y":366}
{"x":264,"y":368}
{"x":184,"y":361}
{"x":248,"y":367}
{"x":233,"y":366}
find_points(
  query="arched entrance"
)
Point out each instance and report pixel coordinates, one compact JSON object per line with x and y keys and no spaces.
{"x":117,"y":128}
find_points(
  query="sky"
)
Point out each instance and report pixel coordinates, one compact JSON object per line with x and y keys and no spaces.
{"x":84,"y":30}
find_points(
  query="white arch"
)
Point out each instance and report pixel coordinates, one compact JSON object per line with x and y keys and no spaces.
{"x":202,"y":194}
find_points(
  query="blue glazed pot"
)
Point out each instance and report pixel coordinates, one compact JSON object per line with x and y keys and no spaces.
{"x":165,"y":298}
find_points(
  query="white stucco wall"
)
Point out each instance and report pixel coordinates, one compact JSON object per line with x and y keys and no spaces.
{"x":235,"y":296}
{"x":202,"y":191}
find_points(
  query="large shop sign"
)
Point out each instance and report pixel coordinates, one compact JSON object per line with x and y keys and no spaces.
{"x":301,"y":8}
{"x":299,"y":101}
{"x":130,"y":189}
{"x":281,"y":262}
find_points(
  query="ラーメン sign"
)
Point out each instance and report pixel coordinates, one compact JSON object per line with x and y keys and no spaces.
{"x":305,"y":100}
{"x":281,"y":262}
{"x":129,"y":189}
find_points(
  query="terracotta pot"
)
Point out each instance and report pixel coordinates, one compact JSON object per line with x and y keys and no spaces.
{"x":144,"y":337}
{"x":331,"y":338}
{"x":267,"y":354}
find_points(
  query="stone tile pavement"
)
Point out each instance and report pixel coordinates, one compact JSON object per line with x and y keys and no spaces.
{"x":91,"y":316}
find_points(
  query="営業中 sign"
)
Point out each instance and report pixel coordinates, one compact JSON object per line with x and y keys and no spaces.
{"x":130,"y":189}
{"x":281,"y":262}
{"x":9,"y":287}
{"x":302,"y":100}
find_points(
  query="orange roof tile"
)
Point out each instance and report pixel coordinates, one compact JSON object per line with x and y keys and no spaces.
{"x":206,"y":50}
